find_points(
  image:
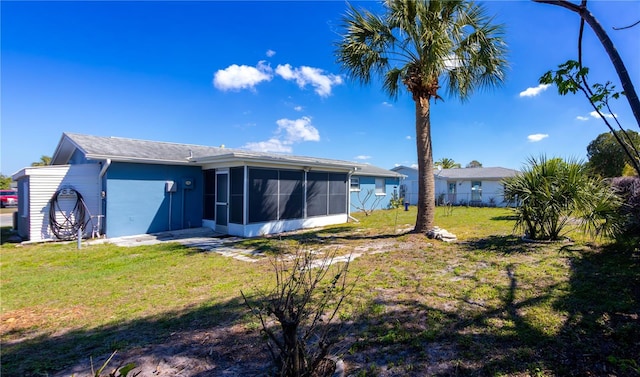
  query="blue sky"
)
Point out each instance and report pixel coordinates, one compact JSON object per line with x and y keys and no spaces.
{"x":263,"y":76}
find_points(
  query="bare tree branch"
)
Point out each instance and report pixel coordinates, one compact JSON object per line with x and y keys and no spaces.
{"x":627,"y":27}
{"x":614,"y":56}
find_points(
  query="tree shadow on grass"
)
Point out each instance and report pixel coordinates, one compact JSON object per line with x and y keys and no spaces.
{"x":159,"y":337}
{"x":513,"y":217}
{"x":593,"y":330}
{"x":500,"y":244}
{"x":598,"y":335}
{"x":314,"y":238}
{"x":602,"y":331}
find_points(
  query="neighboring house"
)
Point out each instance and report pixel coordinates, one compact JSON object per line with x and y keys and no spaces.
{"x":142,"y":186}
{"x":372,"y":188}
{"x":462,"y":186}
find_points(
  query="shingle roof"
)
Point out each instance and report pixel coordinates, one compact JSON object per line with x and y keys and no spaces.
{"x":469,"y":173}
{"x":476,"y":173}
{"x":374,"y":171}
{"x":134,"y":150}
{"x":117,"y":148}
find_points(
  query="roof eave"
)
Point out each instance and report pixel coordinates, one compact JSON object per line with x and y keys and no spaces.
{"x":239,"y":157}
{"x":64,"y":150}
{"x":139,"y":160}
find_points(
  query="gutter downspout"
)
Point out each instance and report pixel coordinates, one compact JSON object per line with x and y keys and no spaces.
{"x":106,"y":165}
{"x":103,"y":195}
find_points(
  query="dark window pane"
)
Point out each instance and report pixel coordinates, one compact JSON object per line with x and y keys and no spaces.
{"x":337,"y":193}
{"x":209,"y":207}
{"x":290,"y":196}
{"x":236,"y":201}
{"x":237,"y":180}
{"x":222,"y":188}
{"x":208,"y":212}
{"x":263,"y":195}
{"x":317,"y":189}
{"x":222,"y":214}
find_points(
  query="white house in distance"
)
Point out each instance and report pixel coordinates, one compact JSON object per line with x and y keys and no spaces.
{"x":461,"y":186}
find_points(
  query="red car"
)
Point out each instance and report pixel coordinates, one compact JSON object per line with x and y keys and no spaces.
{"x":8,"y":198}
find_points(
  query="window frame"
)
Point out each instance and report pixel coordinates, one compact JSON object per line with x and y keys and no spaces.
{"x":354,"y":181}
{"x":382,"y":189}
{"x":476,"y":193}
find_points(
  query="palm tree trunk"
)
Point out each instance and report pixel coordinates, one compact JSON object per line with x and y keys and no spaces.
{"x":426,"y":184}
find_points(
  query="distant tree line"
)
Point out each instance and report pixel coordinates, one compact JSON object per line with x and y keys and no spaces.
{"x":449,"y":163}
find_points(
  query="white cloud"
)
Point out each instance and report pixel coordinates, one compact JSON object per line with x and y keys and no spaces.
{"x":236,"y":77}
{"x":408,"y":137}
{"x":271,"y":145}
{"x":298,"y":108}
{"x":532,"y":92}
{"x":537,"y":137}
{"x":303,"y":76}
{"x":298,"y":130}
{"x":387,"y":104}
{"x":362,"y":157}
{"x":579,"y":117}
{"x":595,"y":115}
{"x":270,"y":53}
{"x":288,"y":133}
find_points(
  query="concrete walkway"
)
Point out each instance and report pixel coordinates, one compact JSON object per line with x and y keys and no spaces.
{"x":204,"y":239}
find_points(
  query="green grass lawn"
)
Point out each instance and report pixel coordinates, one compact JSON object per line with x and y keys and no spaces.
{"x":489,"y":304}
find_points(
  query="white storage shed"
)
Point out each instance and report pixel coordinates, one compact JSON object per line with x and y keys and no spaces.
{"x":38,"y":185}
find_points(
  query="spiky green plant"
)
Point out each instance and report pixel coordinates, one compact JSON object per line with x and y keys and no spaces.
{"x":553,"y":194}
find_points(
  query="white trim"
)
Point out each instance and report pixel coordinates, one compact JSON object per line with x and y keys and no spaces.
{"x":279,"y":226}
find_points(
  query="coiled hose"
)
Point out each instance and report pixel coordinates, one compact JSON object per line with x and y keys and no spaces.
{"x":74,"y":220}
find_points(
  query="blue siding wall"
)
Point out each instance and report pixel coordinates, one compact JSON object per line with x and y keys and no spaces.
{"x":137,"y":202}
{"x":78,"y":157}
{"x":369,"y":183}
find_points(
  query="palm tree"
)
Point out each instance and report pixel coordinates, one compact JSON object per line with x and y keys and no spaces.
{"x":421,"y":45}
{"x":553,"y":193}
{"x":44,"y":161}
{"x":447,"y":163}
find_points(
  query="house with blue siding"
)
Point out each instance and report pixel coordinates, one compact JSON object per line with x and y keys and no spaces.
{"x":148,"y":187}
{"x":372,"y":188}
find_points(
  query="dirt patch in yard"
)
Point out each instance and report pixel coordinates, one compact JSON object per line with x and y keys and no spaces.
{"x":239,"y":349}
{"x":221,"y":351}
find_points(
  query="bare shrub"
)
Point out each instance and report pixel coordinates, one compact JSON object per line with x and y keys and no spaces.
{"x":363,"y":204}
{"x":304,"y":302}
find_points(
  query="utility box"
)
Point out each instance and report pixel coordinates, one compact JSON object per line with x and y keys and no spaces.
{"x":170,"y":186}
{"x":187,"y":183}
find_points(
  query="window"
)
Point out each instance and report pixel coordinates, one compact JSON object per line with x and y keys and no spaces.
{"x":381,"y":188}
{"x":355,"y":184}
{"x":476,"y":191}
